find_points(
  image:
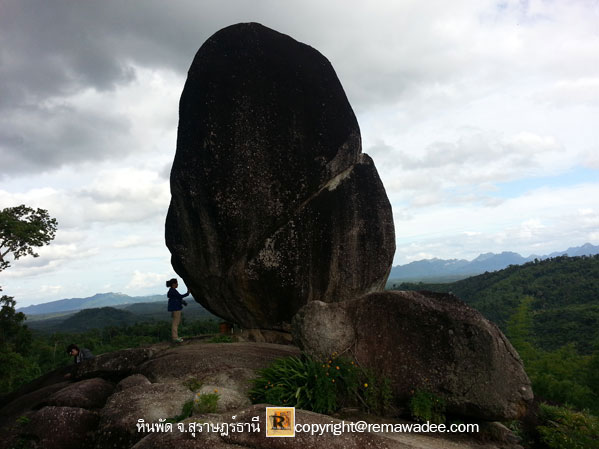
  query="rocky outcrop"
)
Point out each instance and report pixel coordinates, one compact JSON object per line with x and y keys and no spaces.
{"x":154,"y":384}
{"x":132,"y":381}
{"x":423,"y":341}
{"x":228,"y":365}
{"x":88,"y":394}
{"x":227,"y":368}
{"x":62,"y":428}
{"x":273,"y":203}
{"x":114,"y":365}
{"x":28,"y":401}
{"x":119,"y":418}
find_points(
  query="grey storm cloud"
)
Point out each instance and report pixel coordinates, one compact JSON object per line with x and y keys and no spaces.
{"x":37,"y":138}
{"x":51,"y":51}
{"x":385,"y":54}
{"x":55,"y":48}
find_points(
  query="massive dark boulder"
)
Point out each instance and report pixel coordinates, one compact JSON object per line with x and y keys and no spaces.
{"x":423,"y":341}
{"x":273,"y":203}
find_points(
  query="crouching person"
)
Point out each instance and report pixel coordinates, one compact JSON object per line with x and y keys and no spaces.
{"x":79,"y":355}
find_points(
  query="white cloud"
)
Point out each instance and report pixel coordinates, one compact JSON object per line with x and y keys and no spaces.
{"x":51,"y":258}
{"x":125,"y":195}
{"x":579,"y":91}
{"x":539,"y":222}
{"x":144,"y":280}
{"x":129,"y":241}
{"x":469,"y":169}
{"x":51,"y":289}
{"x":119,"y":195}
{"x":531,"y":229}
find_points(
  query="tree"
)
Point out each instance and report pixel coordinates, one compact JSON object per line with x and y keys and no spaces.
{"x":14,"y":335}
{"x":21,"y":229}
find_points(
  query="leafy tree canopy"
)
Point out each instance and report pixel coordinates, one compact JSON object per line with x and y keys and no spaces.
{"x":21,"y":230}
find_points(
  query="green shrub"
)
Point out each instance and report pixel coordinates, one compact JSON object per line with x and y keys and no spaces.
{"x":426,"y":406}
{"x":563,"y":428}
{"x":295,"y":382}
{"x":377,"y":393}
{"x":23,"y":420}
{"x":206,"y":402}
{"x":320,"y":386}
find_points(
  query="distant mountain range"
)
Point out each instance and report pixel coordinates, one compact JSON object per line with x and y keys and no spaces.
{"x":454,"y":269}
{"x":99,"y":317}
{"x":96,"y":301}
{"x":437,"y":270}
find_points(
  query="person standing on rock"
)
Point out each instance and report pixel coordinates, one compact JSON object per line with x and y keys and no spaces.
{"x":175,"y":305}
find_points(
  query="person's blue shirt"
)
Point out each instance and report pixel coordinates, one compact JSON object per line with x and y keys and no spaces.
{"x":175,"y":299}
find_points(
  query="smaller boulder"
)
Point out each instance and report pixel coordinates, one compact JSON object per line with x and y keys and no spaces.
{"x":28,"y":401}
{"x":132,"y":381}
{"x":123,"y":410}
{"x":423,"y":341}
{"x":88,"y":394}
{"x":62,"y":427}
{"x":114,"y":365}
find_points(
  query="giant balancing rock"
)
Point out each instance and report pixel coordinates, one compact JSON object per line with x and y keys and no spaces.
{"x":273,"y":203}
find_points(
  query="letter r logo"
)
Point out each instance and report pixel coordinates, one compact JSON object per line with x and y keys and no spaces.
{"x":280,"y":421}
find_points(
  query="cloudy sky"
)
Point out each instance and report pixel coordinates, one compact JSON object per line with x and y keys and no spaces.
{"x":481,"y":117}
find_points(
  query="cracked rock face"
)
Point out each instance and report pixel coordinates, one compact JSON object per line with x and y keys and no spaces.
{"x":423,"y":341}
{"x":273,"y":203}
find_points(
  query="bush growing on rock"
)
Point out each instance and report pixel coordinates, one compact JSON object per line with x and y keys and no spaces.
{"x":322,"y":386}
{"x":206,"y":402}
